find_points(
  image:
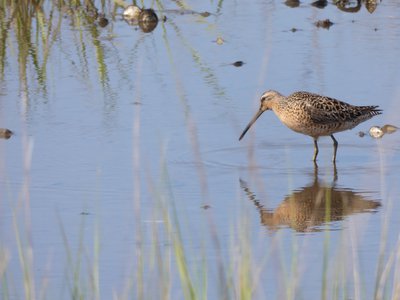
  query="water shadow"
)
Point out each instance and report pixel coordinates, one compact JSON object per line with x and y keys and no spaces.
{"x":308,"y":208}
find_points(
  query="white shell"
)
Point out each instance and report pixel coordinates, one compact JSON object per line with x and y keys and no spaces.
{"x":132,"y":12}
{"x":376,"y":132}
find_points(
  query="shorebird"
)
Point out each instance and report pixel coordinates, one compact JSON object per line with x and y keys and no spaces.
{"x":313,"y":115}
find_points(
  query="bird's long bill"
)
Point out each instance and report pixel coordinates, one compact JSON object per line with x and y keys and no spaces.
{"x":258,"y":114}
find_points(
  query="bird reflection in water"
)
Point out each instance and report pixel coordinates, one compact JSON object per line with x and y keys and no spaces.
{"x":308,"y":208}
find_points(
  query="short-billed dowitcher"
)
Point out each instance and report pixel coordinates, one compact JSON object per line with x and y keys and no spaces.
{"x":314,"y":115}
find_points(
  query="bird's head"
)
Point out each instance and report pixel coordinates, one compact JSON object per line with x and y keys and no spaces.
{"x":268,"y":100}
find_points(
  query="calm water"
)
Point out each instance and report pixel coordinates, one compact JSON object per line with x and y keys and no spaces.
{"x":122,"y":121}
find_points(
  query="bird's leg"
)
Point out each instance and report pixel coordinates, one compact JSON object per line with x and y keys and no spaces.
{"x":315,"y":150}
{"x":335,"y":145}
{"x":335,"y":175}
{"x":315,"y":172}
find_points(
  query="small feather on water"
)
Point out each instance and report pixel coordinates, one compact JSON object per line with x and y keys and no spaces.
{"x":389,"y":128}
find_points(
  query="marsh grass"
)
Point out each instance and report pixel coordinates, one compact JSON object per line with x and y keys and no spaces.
{"x":37,"y":26}
{"x":176,"y":275}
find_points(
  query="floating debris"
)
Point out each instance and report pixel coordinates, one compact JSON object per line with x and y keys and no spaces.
{"x":389,"y":129}
{"x":148,"y":20}
{"x":293,"y":29}
{"x":238,"y":63}
{"x":371,"y":5}
{"x":324,"y":23}
{"x":348,"y":6}
{"x":292,"y":3}
{"x":219,"y":40}
{"x":376,"y":132}
{"x":205,"y":14}
{"x":148,"y":16}
{"x":102,"y":21}
{"x":145,"y":18}
{"x":132,"y":12}
{"x":320,"y":3}
{"x":147,"y":26}
{"x":205,"y":206}
{"x":5,"y":133}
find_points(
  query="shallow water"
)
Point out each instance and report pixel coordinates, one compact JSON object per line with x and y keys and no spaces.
{"x":124,"y":120}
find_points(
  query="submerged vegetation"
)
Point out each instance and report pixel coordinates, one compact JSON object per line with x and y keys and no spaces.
{"x":162,"y":263}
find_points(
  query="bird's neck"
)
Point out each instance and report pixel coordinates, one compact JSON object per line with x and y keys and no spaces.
{"x":279,"y":103}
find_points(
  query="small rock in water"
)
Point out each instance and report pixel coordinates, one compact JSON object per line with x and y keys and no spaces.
{"x":324,"y":23}
{"x":238,"y":63}
{"x":376,"y":132}
{"x":293,"y":29}
{"x":361,"y":134}
{"x":389,"y":129}
{"x":5,"y":133}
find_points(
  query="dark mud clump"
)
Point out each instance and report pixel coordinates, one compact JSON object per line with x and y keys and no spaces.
{"x":238,"y":63}
{"x":320,"y":3}
{"x":292,"y":3}
{"x":324,"y":23}
{"x":5,"y":133}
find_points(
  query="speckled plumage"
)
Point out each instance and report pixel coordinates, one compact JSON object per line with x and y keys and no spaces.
{"x":313,"y":114}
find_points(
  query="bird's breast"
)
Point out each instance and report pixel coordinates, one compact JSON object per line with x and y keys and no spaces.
{"x":303,"y":123}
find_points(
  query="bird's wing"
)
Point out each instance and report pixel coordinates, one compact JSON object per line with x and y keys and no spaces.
{"x":326,"y":110}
